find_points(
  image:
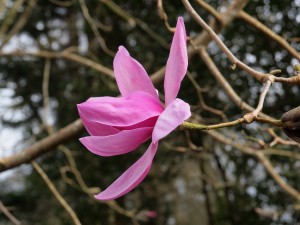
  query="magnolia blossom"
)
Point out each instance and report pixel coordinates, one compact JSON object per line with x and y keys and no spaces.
{"x":118,"y":125}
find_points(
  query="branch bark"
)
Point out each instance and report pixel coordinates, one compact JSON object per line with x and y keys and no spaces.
{"x":43,"y":146}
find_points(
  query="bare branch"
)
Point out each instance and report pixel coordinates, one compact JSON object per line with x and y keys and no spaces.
{"x":43,"y":146}
{"x":236,"y":62}
{"x":65,"y":55}
{"x":225,"y":85}
{"x":55,"y":192}
{"x":261,"y":27}
{"x":262,"y":158}
{"x":10,"y":216}
{"x":21,"y":22}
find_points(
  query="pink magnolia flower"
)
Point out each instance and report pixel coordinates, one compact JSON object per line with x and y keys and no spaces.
{"x":118,"y":125}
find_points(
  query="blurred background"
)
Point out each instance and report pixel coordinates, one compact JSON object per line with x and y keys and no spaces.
{"x":46,"y":47}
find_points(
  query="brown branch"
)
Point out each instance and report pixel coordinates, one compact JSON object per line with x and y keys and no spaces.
{"x":201,"y":127}
{"x":94,"y":28}
{"x":43,"y":146}
{"x":295,"y":80}
{"x":266,"y":163}
{"x":290,"y":154}
{"x":249,"y":117}
{"x":10,"y":17}
{"x":133,"y":21}
{"x":279,"y":140}
{"x":64,"y":55}
{"x":10,"y":216}
{"x":55,"y":192}
{"x":20,"y":23}
{"x":203,"y":39}
{"x":163,"y":15}
{"x":225,"y":85}
{"x":267,"y":31}
{"x":119,"y":12}
{"x":87,"y":16}
{"x":236,"y":62}
{"x":254,"y":23}
{"x":45,"y":92}
{"x":202,"y":103}
{"x":262,"y":158}
{"x":210,"y":9}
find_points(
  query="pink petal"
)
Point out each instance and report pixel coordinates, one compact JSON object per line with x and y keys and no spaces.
{"x":131,"y":75}
{"x":121,"y":111}
{"x":175,"y":113}
{"x":117,"y":144}
{"x":97,"y":129}
{"x":177,"y":63}
{"x":146,"y":123}
{"x":131,"y":177}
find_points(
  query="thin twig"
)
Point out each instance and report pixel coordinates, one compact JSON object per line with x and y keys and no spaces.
{"x":236,"y":62}
{"x":200,"y":127}
{"x":290,"y":154}
{"x":267,"y":31}
{"x":262,"y":98}
{"x":55,"y":192}
{"x":262,"y":158}
{"x":133,"y":21}
{"x":45,"y":91}
{"x":90,"y":191}
{"x":10,"y":216}
{"x":226,"y":86}
{"x":266,"y":163}
{"x":88,"y":17}
{"x":20,"y":23}
{"x":210,"y":10}
{"x":162,"y":14}
{"x":295,"y":80}
{"x":280,"y":140}
{"x":119,"y":12}
{"x":94,"y":28}
{"x":249,"y":117}
{"x":10,"y":17}
{"x":193,"y":126}
{"x":202,"y":103}
{"x":65,"y":55}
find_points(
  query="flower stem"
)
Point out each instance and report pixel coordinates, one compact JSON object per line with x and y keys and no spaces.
{"x":194,"y":126}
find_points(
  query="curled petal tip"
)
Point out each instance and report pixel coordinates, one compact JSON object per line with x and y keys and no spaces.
{"x":180,"y":25}
{"x":79,"y":106}
{"x":180,"y":21}
{"x":122,"y":49}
